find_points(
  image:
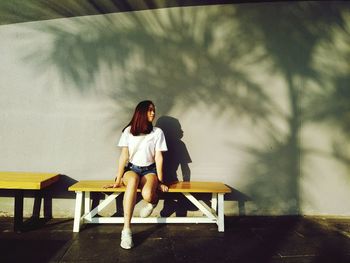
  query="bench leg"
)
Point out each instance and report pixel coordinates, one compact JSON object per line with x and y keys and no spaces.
{"x":18,"y":217}
{"x":78,"y":210}
{"x":221,"y":225}
{"x":89,"y":215}
{"x":40,"y":196}
{"x":214,"y":201}
{"x":37,"y":205}
{"x":47,"y":205}
{"x":203,"y":207}
{"x":87,"y":203}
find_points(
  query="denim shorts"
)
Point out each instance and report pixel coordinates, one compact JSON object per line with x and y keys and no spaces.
{"x":141,"y":170}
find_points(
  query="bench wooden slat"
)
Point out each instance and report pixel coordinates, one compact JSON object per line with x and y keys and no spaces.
{"x":180,"y":187}
{"x":26,"y":180}
{"x":199,"y":187}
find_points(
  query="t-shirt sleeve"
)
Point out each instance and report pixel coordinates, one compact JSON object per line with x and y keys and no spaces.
{"x":160,"y":142}
{"x":123,"y":141}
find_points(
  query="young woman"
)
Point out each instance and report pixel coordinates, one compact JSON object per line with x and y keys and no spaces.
{"x":140,"y":165}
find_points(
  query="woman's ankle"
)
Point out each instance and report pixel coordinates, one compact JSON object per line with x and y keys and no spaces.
{"x":126,"y":228}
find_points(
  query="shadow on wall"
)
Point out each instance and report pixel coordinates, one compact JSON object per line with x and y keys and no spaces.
{"x":176,"y":157}
{"x":185,"y":57}
{"x":276,"y":168}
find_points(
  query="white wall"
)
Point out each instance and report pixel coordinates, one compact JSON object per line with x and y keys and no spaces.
{"x":48,"y":125}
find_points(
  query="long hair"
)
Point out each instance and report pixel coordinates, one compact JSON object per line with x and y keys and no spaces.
{"x":139,"y":122}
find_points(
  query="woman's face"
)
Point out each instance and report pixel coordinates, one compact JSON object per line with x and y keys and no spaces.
{"x":151,"y":113}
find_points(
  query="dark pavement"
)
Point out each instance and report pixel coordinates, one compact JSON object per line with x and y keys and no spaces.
{"x":246,"y":239}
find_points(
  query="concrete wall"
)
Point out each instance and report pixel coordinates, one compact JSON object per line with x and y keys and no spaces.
{"x":260,"y":90}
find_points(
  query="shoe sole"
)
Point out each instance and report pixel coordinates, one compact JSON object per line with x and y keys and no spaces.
{"x":125,"y":247}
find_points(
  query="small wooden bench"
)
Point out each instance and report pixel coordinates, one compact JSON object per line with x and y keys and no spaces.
{"x":23,"y":181}
{"x":213,"y":214}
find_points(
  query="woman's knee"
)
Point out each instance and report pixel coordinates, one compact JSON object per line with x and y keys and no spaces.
{"x":149,"y":195}
{"x":149,"y":184}
{"x":131,"y":179}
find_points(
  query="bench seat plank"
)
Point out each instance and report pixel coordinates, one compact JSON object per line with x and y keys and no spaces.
{"x":26,"y":180}
{"x":199,"y":187}
{"x":179,"y":187}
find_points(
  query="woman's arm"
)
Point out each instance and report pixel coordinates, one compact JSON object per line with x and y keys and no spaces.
{"x":123,"y":159}
{"x":159,"y":165}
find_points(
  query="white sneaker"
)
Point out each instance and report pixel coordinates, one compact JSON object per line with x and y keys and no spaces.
{"x":126,"y":241}
{"x":147,"y":210}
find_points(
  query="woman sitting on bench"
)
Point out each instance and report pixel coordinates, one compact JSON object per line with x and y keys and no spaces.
{"x":140,"y":165}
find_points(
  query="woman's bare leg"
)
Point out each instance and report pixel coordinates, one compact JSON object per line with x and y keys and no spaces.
{"x":149,"y":184}
{"x":131,"y":180}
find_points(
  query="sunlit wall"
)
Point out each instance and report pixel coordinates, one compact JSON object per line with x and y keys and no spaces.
{"x":260,"y":91}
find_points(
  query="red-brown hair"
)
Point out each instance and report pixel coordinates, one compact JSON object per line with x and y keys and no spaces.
{"x":139,"y":122}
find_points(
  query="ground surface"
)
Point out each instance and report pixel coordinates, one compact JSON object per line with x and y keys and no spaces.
{"x":246,"y":239}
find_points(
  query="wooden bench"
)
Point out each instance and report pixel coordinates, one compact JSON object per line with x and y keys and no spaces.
{"x":213,"y":214}
{"x":22,"y":181}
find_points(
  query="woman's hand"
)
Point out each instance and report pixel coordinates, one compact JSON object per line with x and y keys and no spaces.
{"x":163,"y":187}
{"x":115,"y":185}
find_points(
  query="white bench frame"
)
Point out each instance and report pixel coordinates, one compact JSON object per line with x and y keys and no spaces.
{"x":213,"y":214}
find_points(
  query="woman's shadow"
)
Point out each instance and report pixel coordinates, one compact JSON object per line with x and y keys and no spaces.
{"x":176,"y":156}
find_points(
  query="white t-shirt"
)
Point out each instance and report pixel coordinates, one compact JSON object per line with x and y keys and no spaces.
{"x":146,"y":146}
